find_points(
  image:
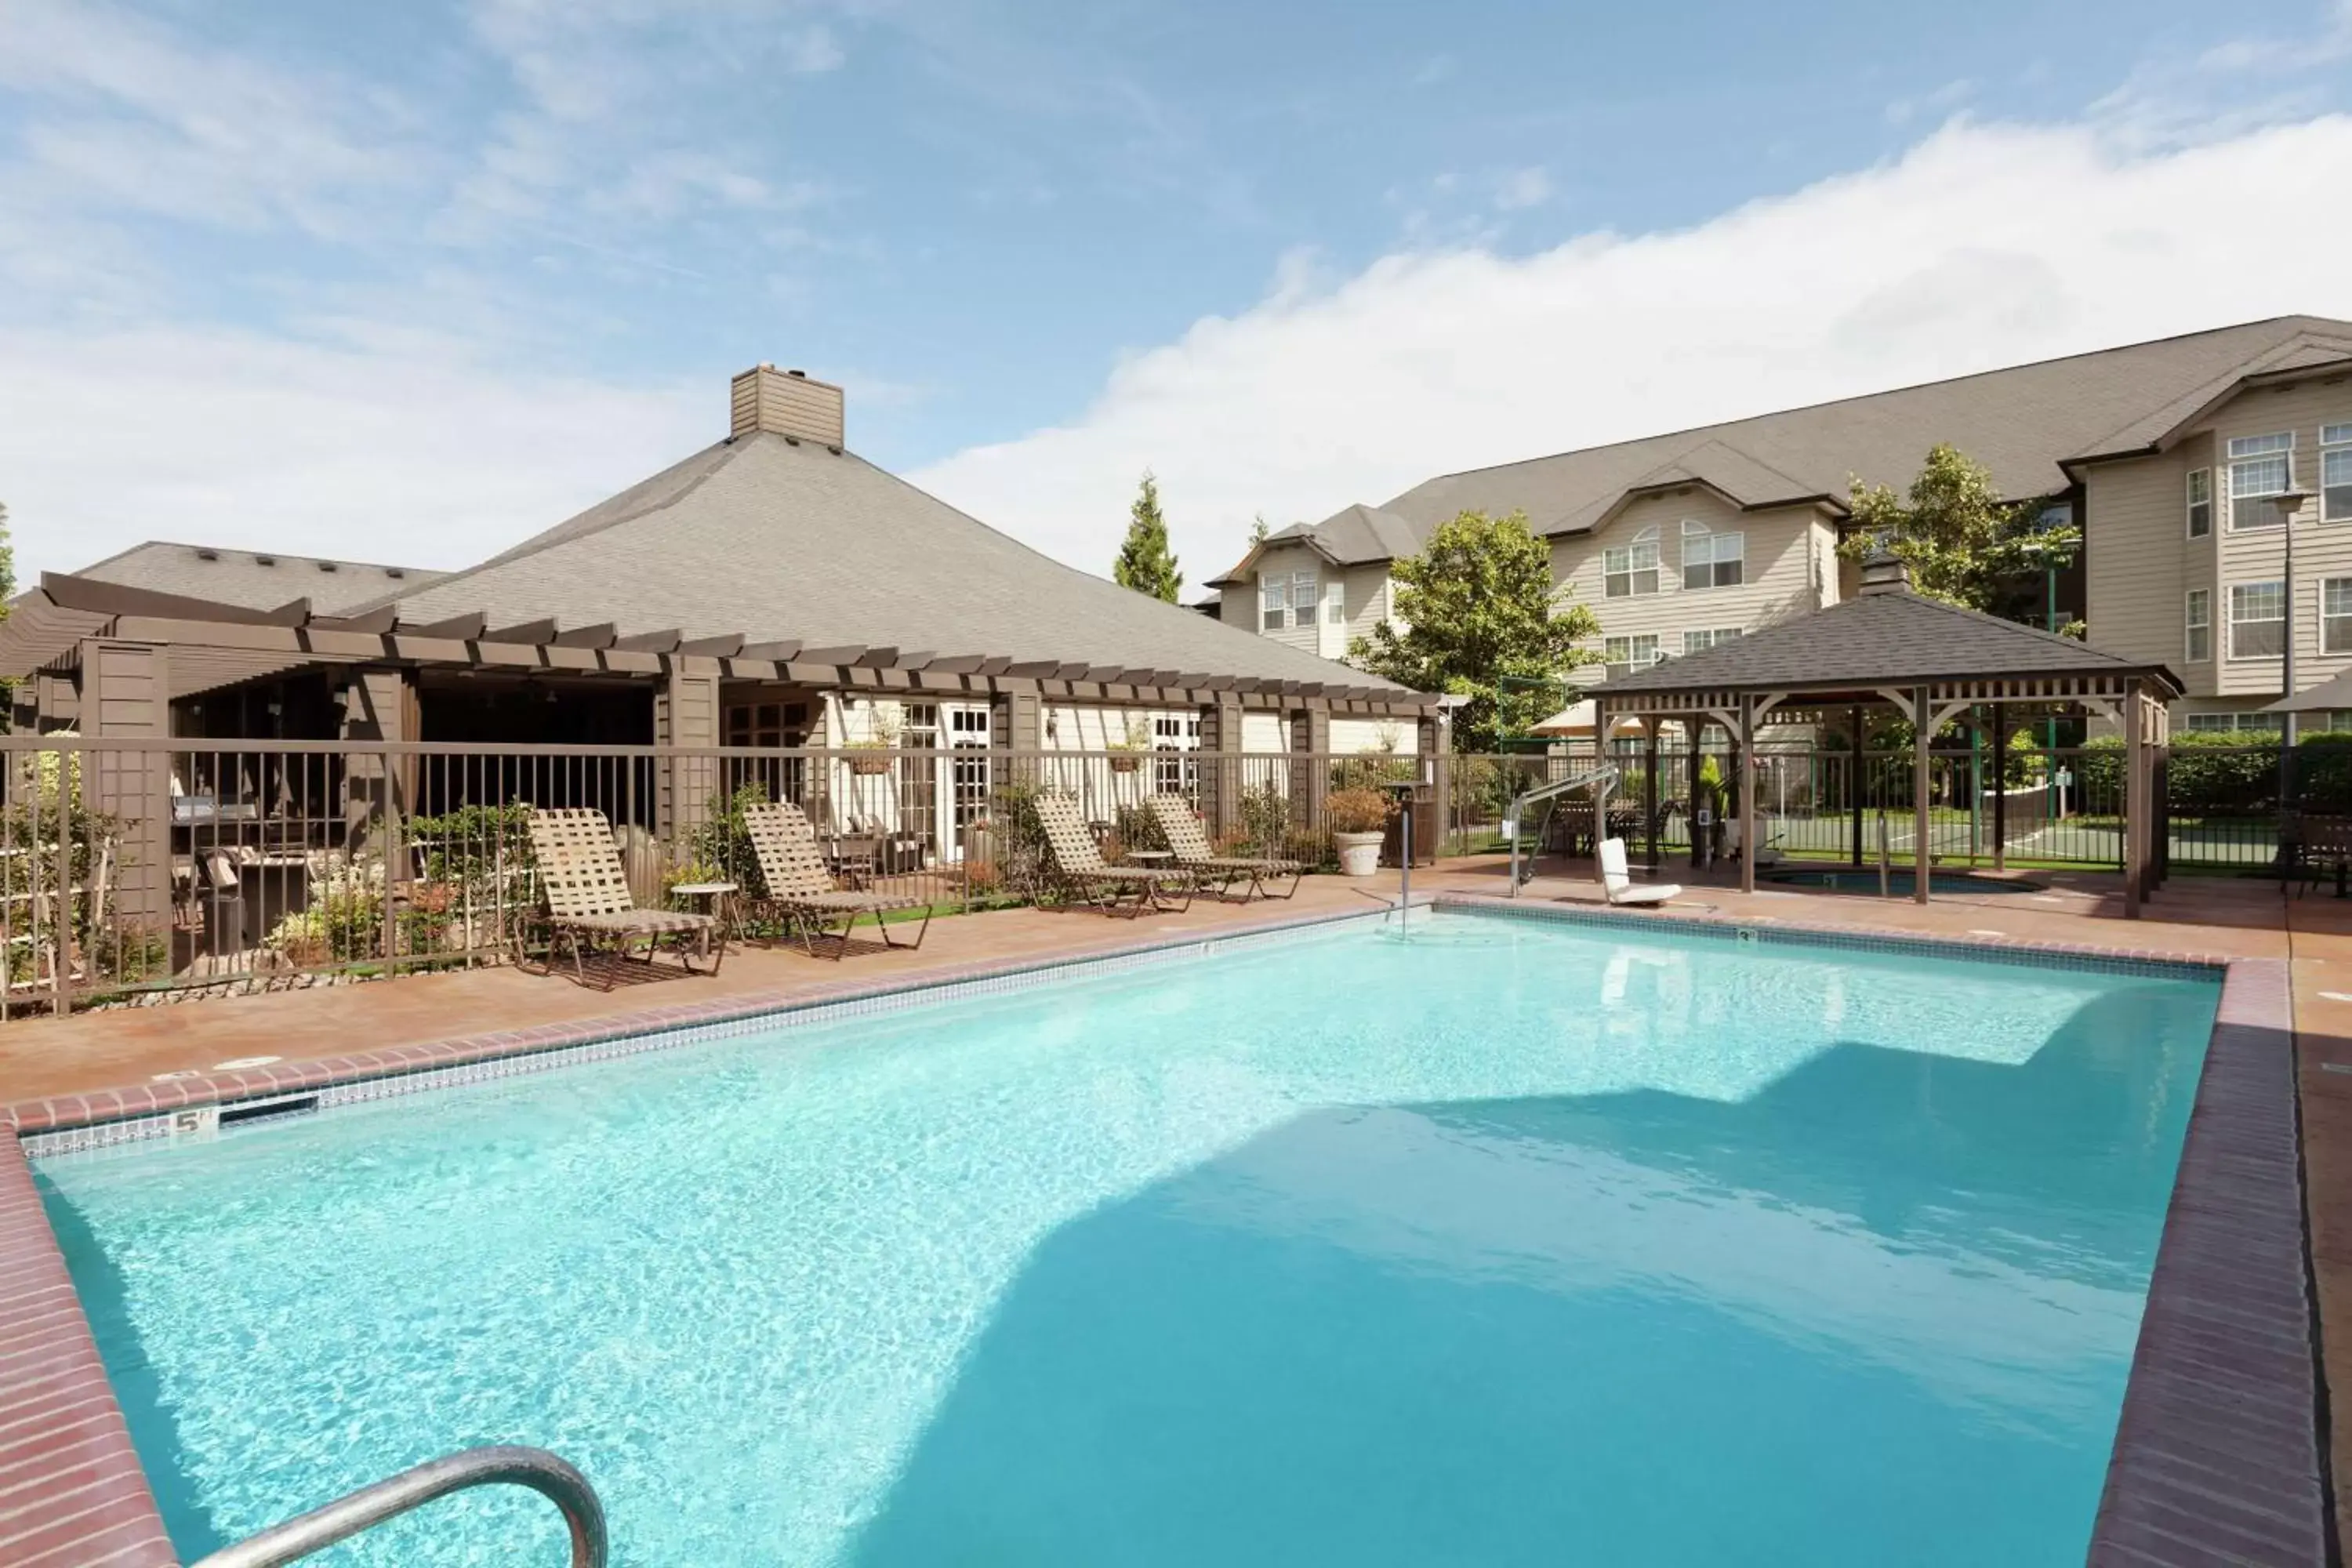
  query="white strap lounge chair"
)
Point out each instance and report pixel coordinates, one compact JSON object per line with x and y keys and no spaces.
{"x":1619,"y":882}
{"x":588,"y":899}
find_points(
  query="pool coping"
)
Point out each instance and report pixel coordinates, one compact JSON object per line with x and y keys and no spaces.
{"x":2218,"y":1449}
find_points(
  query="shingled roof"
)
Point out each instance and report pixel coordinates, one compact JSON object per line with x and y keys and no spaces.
{"x":254,"y":580}
{"x":782,"y":539}
{"x":1890,"y":637}
{"x":2025,"y":424}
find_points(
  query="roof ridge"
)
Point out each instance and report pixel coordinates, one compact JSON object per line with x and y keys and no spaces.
{"x":1745,"y":419}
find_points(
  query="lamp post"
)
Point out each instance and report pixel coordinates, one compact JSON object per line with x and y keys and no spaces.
{"x":2289,"y":503}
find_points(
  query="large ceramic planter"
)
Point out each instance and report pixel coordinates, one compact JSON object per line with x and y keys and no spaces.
{"x":1360,"y":853}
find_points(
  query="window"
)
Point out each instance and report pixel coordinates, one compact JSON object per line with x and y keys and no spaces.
{"x":2335,"y":473}
{"x":1173,"y":770}
{"x":2260,"y":468}
{"x":1712,"y":560}
{"x":2200,"y":637}
{"x":1633,"y":568}
{"x":2227,"y":723}
{"x":2200,"y":502}
{"x":1698,"y":642}
{"x":1625,"y":655}
{"x":2336,"y":615}
{"x":1305,"y":594}
{"x":2257,"y":620}
{"x":1335,"y":603}
{"x":1273,"y":598}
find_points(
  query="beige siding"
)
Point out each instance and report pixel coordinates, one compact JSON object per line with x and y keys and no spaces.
{"x":1402,"y":736}
{"x":2139,"y":561}
{"x":2142,"y":564}
{"x":1789,"y":569}
{"x":1365,"y":599}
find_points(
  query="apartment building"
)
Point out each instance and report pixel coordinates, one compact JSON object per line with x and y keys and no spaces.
{"x":2165,"y":451}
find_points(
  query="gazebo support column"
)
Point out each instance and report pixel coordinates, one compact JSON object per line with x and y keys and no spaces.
{"x":2135,"y":800}
{"x":1854,"y":785}
{"x":1749,"y":847}
{"x":1650,"y":791}
{"x":1923,"y":720}
{"x":2000,"y":790}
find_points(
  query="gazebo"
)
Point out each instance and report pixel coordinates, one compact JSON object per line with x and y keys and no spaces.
{"x":1929,"y":661}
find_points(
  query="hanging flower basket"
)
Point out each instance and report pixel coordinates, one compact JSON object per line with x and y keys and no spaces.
{"x":870,"y":763}
{"x":1125,"y":762}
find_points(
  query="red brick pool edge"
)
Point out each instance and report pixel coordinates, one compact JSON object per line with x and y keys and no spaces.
{"x":72,"y":1494}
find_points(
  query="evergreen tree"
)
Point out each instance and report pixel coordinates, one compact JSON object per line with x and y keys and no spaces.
{"x":1145,"y":564}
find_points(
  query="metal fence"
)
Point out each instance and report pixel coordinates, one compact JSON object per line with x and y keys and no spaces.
{"x":130,"y":868}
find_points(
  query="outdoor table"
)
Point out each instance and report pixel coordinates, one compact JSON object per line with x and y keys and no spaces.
{"x":715,"y":899}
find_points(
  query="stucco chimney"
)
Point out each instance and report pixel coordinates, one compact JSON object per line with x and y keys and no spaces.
{"x":786,"y":403}
{"x":1885,"y":573}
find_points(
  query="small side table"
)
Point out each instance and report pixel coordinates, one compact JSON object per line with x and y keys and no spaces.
{"x":1150,"y":860}
{"x":717,"y":899}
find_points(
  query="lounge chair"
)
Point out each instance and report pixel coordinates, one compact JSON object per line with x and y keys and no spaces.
{"x":801,"y":892}
{"x":1618,"y":882}
{"x":588,"y":898}
{"x":1190,"y":845}
{"x":1079,"y":872}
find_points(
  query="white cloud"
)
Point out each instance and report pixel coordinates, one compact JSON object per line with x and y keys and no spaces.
{"x":1984,"y":245}
{"x":394,"y":450}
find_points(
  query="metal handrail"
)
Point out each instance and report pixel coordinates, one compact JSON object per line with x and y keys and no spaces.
{"x":1601,"y":774}
{"x":536,"y":1468}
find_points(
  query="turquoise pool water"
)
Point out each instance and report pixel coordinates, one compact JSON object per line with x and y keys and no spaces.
{"x":1497,"y":1243}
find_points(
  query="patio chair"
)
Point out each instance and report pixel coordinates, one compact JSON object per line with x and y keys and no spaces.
{"x":801,"y":892}
{"x":1079,"y":872}
{"x":1617,"y":880}
{"x":1190,"y":845}
{"x":588,"y":898}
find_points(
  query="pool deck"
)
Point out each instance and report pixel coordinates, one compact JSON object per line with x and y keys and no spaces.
{"x":65,"y":1499}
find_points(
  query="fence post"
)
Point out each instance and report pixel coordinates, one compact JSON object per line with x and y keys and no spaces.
{"x":1999,"y":791}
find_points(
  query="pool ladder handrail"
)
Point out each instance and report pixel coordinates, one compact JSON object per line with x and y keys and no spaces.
{"x":503,"y":1464}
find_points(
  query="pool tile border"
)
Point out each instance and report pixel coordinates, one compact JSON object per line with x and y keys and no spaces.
{"x":2217,"y":1454}
{"x":72,"y":1493}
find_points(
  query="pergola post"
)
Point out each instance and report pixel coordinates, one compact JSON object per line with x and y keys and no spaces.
{"x":1922,"y":721}
{"x":1854,"y":784}
{"x":1749,"y":847}
{"x":2136,"y":795}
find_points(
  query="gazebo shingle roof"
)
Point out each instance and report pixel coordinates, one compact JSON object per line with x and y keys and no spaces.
{"x":1879,"y":638}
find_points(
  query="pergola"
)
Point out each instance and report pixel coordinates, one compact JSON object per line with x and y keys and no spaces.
{"x":1930,"y":661}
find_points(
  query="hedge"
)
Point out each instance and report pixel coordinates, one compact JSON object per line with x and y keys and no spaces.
{"x":2220,"y":775}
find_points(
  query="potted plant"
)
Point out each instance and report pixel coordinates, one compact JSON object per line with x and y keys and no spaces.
{"x":1359,"y":821}
{"x":1127,"y":753}
{"x":871,"y":756}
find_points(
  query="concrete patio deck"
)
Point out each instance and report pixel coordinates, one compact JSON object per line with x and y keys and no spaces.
{"x":41,"y":1059}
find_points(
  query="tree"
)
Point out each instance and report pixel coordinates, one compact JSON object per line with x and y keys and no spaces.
{"x":1962,"y":540}
{"x":1260,"y":531}
{"x":1483,"y":620}
{"x":1145,"y":562}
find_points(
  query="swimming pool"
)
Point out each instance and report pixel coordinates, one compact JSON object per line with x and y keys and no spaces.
{"x":1503,"y":1242}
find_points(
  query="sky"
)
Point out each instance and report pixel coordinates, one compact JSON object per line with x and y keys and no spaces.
{"x":411,"y":282}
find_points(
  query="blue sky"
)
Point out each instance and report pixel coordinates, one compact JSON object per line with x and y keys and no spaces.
{"x":437,"y":273}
